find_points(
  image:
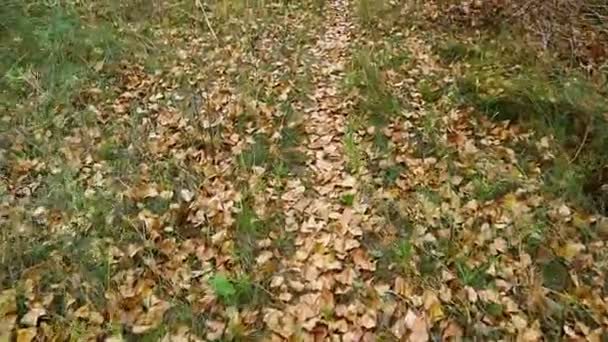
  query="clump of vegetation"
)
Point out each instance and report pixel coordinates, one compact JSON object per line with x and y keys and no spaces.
{"x":506,"y":84}
{"x":377,"y":102}
{"x":48,"y":52}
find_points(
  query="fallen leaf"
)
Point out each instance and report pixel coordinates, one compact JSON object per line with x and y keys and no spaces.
{"x":570,"y":250}
{"x":263,"y":257}
{"x":453,"y":330}
{"x":419,"y":330}
{"x":186,"y":195}
{"x":362,"y":260}
{"x":30,"y":319}
{"x":215,"y":329}
{"x":26,"y":335}
{"x":368,"y":320}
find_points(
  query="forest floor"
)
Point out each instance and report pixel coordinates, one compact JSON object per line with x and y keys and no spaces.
{"x":304,"y":171}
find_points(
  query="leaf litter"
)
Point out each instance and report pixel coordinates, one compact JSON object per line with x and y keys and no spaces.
{"x":209,"y":241}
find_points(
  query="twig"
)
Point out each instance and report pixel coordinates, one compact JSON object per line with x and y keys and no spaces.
{"x":202,"y":8}
{"x":394,"y":293}
{"x":522,"y":9}
{"x":580,"y":148}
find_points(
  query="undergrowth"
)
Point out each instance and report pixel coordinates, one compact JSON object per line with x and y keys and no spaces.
{"x":504,"y":81}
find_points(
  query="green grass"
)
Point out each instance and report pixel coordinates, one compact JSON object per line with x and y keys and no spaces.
{"x":475,"y":277}
{"x":486,"y":190}
{"x":48,"y":52}
{"x":63,"y":65}
{"x":256,"y":154}
{"x":240,"y":291}
{"x":376,"y":101}
{"x":454,"y":51}
{"x":402,"y":251}
{"x":355,"y":159}
{"x":430,"y":91}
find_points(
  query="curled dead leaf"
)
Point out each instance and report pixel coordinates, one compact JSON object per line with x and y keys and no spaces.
{"x":215,"y":329}
{"x":417,"y":325}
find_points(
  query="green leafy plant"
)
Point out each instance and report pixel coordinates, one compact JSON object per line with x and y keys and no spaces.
{"x":223,"y":287}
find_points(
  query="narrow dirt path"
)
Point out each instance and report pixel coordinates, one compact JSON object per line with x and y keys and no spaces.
{"x":328,"y":258}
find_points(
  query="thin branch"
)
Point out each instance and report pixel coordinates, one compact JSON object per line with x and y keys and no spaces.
{"x":202,"y":8}
{"x":580,"y":148}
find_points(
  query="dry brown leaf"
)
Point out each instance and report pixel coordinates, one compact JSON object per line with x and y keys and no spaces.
{"x":285,"y":296}
{"x":368,"y":320}
{"x":399,"y":328}
{"x":215,"y":329}
{"x":419,"y":329}
{"x":401,"y":287}
{"x":452,"y":331}
{"x":362,"y":260}
{"x":263,"y":257}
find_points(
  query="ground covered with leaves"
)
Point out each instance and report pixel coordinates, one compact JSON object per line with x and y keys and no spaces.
{"x":294,"y":170}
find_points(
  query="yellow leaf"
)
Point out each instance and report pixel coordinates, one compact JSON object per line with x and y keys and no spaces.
{"x":436,"y":312}
{"x":7,"y":323}
{"x":26,"y":335}
{"x":8,"y":302}
{"x":98,"y":66}
{"x":510,"y":201}
{"x":570,"y":250}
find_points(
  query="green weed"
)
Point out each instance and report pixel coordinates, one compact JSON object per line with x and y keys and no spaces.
{"x":377,"y":102}
{"x":249,"y":229}
{"x":347,"y":199}
{"x":391,"y":174}
{"x":484,"y":190}
{"x":223,"y":287}
{"x":257,"y":154}
{"x":354,"y":155}
{"x":475,"y":277}
{"x":240,"y":291}
{"x":556,"y":275}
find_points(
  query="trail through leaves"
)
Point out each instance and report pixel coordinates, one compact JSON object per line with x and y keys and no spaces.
{"x":295,"y":175}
